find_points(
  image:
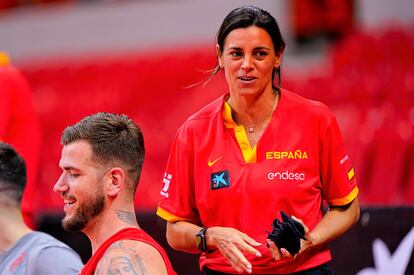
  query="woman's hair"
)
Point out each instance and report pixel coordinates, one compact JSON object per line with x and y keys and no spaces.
{"x":247,"y":16}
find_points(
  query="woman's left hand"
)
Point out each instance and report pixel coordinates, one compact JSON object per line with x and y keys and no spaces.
{"x":281,"y":253}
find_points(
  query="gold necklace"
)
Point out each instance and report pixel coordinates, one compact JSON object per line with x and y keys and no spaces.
{"x":250,"y":128}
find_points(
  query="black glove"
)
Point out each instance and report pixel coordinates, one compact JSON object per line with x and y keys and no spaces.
{"x":287,"y":234}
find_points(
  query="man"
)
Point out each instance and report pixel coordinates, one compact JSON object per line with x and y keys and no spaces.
{"x":102,"y":157}
{"x":23,"y":251}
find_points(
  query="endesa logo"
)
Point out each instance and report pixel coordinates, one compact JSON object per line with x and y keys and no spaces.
{"x":298,"y":154}
{"x":286,"y":176}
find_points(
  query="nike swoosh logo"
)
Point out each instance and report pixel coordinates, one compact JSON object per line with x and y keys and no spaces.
{"x":211,"y":163}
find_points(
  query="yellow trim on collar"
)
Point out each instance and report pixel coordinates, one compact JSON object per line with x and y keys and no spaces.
{"x":249,"y":153}
{"x":228,"y":119}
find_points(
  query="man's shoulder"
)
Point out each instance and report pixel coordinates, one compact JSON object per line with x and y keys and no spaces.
{"x":41,"y":254}
{"x":47,"y":248}
{"x":37,"y":240}
{"x":135,"y":245}
{"x":140,"y":256}
{"x":43,"y":240}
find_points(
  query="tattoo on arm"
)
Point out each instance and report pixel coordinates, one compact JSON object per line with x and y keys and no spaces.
{"x":125,"y":265}
{"x":125,"y":216}
{"x":121,"y":259}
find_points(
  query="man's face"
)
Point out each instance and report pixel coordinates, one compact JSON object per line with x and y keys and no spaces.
{"x":80,"y":185}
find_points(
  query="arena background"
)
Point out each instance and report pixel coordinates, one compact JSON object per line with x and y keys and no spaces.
{"x":142,"y":57}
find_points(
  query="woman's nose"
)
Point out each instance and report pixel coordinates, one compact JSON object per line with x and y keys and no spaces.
{"x":247,"y":63}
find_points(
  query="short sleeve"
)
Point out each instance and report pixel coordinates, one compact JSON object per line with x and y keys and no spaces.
{"x":337,"y":173}
{"x":177,"y":194}
{"x":57,"y":260}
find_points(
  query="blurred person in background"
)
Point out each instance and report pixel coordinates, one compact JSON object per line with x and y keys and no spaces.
{"x":252,"y":153}
{"x":19,"y":126}
{"x":23,"y":251}
{"x":102,"y":158}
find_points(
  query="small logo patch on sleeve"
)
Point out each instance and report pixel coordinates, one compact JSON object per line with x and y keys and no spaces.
{"x":219,"y":180}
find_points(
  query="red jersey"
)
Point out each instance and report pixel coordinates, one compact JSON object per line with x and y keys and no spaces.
{"x":125,"y":234}
{"x":215,"y":178}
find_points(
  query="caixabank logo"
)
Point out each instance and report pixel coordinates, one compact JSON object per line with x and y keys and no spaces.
{"x":219,"y":180}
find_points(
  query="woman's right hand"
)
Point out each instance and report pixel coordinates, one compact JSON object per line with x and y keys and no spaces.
{"x":232,"y":244}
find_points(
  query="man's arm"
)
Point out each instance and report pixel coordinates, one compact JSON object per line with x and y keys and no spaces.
{"x":131,"y":257}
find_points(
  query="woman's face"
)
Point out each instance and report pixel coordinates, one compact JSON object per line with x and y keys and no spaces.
{"x":248,"y":59}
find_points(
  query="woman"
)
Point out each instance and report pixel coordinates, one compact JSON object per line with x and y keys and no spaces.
{"x":255,"y":151}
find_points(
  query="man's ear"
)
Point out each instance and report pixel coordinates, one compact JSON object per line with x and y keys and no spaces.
{"x":116,"y":181}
